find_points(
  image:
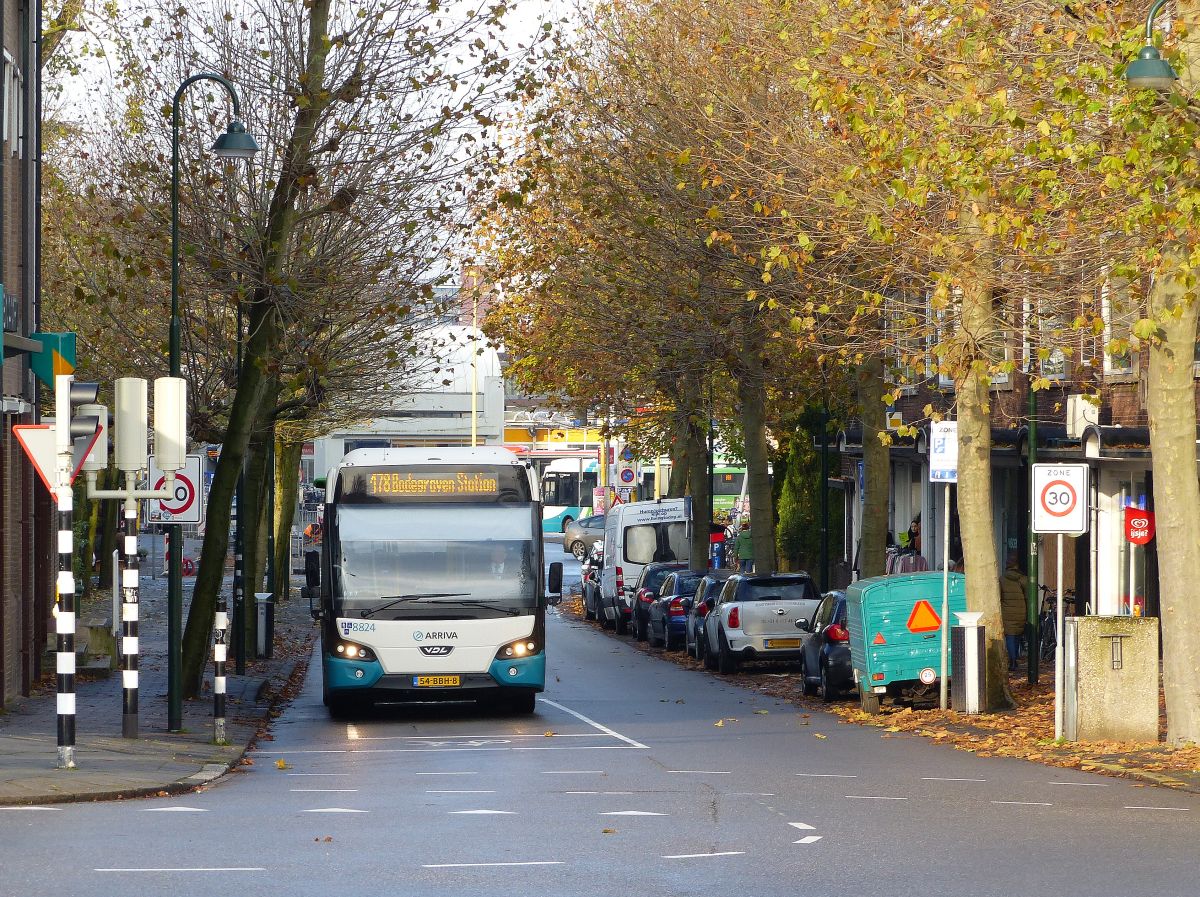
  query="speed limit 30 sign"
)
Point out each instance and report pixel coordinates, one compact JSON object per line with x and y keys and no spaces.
{"x":1060,"y":498}
{"x":186,"y":505}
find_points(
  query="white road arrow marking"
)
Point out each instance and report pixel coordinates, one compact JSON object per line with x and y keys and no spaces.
{"x":632,"y":813}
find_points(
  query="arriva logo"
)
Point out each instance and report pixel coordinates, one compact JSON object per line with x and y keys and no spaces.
{"x":420,"y":636}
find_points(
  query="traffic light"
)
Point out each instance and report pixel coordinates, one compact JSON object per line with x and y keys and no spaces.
{"x":73,"y":422}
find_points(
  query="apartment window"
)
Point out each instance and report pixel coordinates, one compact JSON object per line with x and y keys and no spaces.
{"x":13,"y":126}
{"x":1118,"y":314}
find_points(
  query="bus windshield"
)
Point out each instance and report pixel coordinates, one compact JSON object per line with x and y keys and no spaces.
{"x":482,"y":555}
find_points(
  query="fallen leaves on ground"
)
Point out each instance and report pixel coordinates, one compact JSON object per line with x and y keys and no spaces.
{"x":281,"y":764}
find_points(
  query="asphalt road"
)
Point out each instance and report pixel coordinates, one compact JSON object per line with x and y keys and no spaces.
{"x":620,"y":784}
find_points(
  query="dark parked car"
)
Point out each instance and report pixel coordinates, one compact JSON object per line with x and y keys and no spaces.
{"x":706,"y":596}
{"x":667,"y":613}
{"x":825,"y":667}
{"x":590,"y":587}
{"x":580,"y":535}
{"x":645,"y":592}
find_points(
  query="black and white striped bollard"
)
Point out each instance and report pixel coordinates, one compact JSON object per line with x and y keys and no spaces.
{"x":64,"y":629}
{"x":220,"y":647}
{"x":129,"y":624}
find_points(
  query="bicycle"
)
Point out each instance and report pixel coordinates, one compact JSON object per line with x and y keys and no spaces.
{"x":1048,"y":620}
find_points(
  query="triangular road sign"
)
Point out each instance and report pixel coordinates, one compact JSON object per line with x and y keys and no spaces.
{"x":38,"y":442}
{"x":923,"y":618}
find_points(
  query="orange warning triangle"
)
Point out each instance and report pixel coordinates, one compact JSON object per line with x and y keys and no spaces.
{"x":879,"y":639}
{"x":923,"y":618}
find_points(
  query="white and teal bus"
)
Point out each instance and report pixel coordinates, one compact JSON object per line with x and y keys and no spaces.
{"x":567,"y":485}
{"x":433,"y":583}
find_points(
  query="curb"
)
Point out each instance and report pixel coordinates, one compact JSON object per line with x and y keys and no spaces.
{"x":208,"y":773}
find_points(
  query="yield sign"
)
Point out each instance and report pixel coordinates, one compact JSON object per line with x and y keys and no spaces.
{"x":923,"y":618}
{"x":38,"y":442}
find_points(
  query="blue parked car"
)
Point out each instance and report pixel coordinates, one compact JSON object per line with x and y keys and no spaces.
{"x":667,"y":614}
{"x":825,"y":667}
{"x":702,"y":602}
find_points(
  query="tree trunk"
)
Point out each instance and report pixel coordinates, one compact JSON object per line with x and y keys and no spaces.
{"x":975,"y":462}
{"x":264,"y":330}
{"x":699,"y":483}
{"x":877,"y":470}
{"x":1171,"y":407}
{"x":254,"y":542}
{"x":677,"y":482}
{"x":287,"y":490}
{"x":752,"y":395}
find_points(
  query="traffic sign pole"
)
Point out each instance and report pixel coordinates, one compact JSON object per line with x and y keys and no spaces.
{"x":943,"y":696}
{"x":1058,"y":649}
{"x":943,"y":468}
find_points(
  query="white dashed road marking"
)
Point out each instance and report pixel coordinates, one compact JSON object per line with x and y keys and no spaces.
{"x":802,"y":825}
{"x":1177,"y":809}
{"x":335,"y":810}
{"x":47,"y":809}
{"x":173,"y":810}
{"x":323,"y":790}
{"x":572,"y":772}
{"x":633,"y":813}
{"x":825,"y":775}
{"x":475,"y":865}
{"x":190,"y":869}
{"x":692,"y":856}
{"x":872,"y":797}
{"x":1081,"y":784}
{"x":947,"y":779}
{"x":428,"y":791}
{"x":482,"y":813}
{"x":701,"y":772}
{"x":447,"y":773}
{"x":808,"y":839}
{"x":1024,"y":803}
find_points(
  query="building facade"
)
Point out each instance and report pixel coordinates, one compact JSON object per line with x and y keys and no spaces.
{"x":25,"y":560}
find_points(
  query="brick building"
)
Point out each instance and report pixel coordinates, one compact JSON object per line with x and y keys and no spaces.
{"x":1111,"y":436}
{"x":25,"y":523}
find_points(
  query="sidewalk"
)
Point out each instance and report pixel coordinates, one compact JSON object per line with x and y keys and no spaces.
{"x":158,"y":762}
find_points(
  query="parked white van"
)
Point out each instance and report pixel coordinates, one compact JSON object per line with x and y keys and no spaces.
{"x":637,"y":534}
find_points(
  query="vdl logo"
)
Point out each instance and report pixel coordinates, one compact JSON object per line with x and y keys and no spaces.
{"x":436,"y":650}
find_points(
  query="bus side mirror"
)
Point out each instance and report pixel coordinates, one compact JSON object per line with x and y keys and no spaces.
{"x":554,"y":584}
{"x":314,"y":595}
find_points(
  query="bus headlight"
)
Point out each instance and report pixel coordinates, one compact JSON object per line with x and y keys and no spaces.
{"x":523,"y":647}
{"x":352,"y":651}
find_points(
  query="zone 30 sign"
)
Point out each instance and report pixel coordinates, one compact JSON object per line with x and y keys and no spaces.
{"x":1060,"y":498}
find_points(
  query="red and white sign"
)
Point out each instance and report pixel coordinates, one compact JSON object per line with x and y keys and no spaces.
{"x":185,"y":505}
{"x":1060,"y":498}
{"x":1139,"y":525}
{"x":38,"y":441}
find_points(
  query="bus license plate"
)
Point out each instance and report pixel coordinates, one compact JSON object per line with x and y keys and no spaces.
{"x":783,"y":643}
{"x":437,"y":681}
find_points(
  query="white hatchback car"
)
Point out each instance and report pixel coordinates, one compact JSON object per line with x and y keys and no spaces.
{"x":759,"y":618}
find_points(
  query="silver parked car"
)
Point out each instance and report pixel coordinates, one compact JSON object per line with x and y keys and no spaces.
{"x":580,"y":535}
{"x":758,"y":618}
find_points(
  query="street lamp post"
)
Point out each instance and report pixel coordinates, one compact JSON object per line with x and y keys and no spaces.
{"x":1150,"y":69}
{"x":235,"y":143}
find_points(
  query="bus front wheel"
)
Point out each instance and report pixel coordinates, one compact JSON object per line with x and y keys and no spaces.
{"x":567,"y":521}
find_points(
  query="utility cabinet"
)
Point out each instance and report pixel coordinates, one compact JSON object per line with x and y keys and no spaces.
{"x":1110,"y":679}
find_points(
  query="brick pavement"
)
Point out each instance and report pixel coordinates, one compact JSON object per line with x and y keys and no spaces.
{"x":109,"y":766}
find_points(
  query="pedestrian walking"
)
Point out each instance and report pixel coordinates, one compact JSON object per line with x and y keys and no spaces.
{"x":1012,"y":608}
{"x":743,"y":545}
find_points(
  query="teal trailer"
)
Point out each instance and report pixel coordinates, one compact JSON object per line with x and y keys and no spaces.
{"x":895,"y":634}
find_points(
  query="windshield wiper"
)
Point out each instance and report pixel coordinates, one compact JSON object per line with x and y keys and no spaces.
{"x":400,"y":599}
{"x":511,"y":611}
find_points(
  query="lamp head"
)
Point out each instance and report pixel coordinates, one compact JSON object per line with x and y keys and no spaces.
{"x":1150,"y":70}
{"x":235,"y":143}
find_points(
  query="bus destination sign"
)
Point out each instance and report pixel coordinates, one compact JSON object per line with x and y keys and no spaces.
{"x":388,"y":485}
